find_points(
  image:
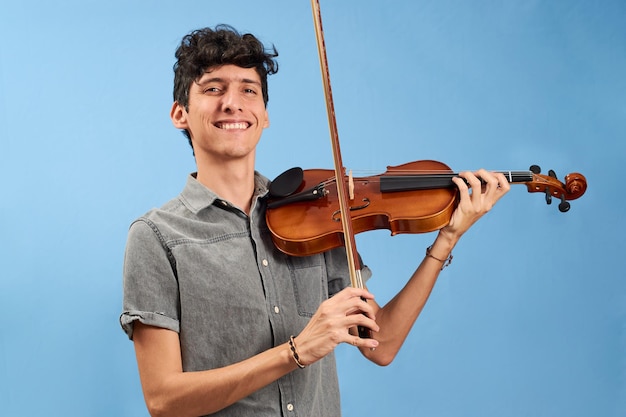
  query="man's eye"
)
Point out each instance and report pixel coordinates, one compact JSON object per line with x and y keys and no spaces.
{"x":212,"y":90}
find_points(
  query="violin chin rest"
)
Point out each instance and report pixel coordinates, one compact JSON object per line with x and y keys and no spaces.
{"x":287,"y":183}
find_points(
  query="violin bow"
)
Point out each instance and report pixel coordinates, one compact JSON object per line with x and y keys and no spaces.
{"x":348,"y":232}
{"x":354,"y":262}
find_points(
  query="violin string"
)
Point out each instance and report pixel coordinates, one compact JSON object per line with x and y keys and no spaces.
{"x":424,"y":175}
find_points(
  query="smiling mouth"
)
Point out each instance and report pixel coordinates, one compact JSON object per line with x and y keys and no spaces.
{"x":233,"y":126}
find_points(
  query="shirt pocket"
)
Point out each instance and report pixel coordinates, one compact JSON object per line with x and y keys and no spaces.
{"x":309,"y":283}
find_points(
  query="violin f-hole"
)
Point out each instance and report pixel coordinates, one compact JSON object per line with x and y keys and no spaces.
{"x":337,"y":214}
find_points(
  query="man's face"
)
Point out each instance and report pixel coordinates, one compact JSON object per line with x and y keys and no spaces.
{"x":226,"y":114}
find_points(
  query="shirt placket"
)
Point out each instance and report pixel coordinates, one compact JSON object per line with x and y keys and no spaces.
{"x":275,"y":308}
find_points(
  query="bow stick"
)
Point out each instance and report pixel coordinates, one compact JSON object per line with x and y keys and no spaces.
{"x":354,"y":263}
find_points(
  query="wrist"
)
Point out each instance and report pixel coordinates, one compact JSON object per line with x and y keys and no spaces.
{"x":445,"y":242}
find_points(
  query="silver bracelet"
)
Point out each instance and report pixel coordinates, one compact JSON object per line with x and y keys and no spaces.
{"x":445,"y":262}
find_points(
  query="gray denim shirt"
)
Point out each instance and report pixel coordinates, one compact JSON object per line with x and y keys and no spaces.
{"x":203,"y":268}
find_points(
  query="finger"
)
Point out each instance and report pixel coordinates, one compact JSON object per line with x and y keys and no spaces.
{"x":357,"y":319}
{"x":363,"y":320}
{"x":352,"y":292}
{"x":503,"y":184}
{"x":362,"y":343}
{"x":475,"y":185}
{"x":461,"y":184}
{"x":361,"y":307}
{"x":489,"y":182}
{"x":496,"y":185}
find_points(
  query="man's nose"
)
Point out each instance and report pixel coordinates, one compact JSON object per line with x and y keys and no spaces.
{"x":231,"y":101}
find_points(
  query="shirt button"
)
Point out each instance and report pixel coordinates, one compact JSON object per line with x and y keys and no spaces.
{"x":265,"y":263}
{"x":276,"y":309}
{"x":290,"y":407}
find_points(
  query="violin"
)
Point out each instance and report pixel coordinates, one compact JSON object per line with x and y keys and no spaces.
{"x":417,"y":197}
{"x":312,"y":211}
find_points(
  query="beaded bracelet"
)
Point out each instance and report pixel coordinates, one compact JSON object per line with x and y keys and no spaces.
{"x":445,"y":262}
{"x":294,"y":352}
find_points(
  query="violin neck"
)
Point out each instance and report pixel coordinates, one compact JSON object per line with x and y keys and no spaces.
{"x":391,"y":183}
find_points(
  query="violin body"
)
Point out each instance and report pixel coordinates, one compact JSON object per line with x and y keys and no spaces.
{"x":416,"y":197}
{"x":310,"y":227}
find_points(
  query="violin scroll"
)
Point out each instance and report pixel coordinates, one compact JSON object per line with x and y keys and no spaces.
{"x":575,"y":186}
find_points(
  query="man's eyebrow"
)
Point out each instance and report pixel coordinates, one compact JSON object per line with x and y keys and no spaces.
{"x":204,"y":81}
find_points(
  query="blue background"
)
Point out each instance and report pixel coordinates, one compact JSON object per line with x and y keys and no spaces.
{"x":529,"y":320}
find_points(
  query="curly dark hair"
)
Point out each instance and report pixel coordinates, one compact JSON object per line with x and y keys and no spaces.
{"x":206,"y":48}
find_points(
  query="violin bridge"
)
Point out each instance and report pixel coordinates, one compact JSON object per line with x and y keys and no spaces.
{"x":350,"y":185}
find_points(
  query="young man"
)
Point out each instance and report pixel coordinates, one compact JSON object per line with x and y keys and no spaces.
{"x":223,"y":322}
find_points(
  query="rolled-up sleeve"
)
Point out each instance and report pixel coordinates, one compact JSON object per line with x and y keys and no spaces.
{"x":151,"y":292}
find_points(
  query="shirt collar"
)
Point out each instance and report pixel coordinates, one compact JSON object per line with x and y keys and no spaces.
{"x":196,"y":196}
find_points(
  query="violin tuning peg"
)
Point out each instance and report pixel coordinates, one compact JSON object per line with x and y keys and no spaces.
{"x":564,"y":206}
{"x":535,"y":169}
{"x":552,"y":174}
{"x":548,"y":196}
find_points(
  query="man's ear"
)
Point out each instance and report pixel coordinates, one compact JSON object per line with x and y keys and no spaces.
{"x":266,"y":122}
{"x":178,"y":114}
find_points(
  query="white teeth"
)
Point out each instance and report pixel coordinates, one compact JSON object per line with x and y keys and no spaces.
{"x":229,"y":126}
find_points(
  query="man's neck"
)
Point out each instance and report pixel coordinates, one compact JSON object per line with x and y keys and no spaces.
{"x":233,"y":182}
